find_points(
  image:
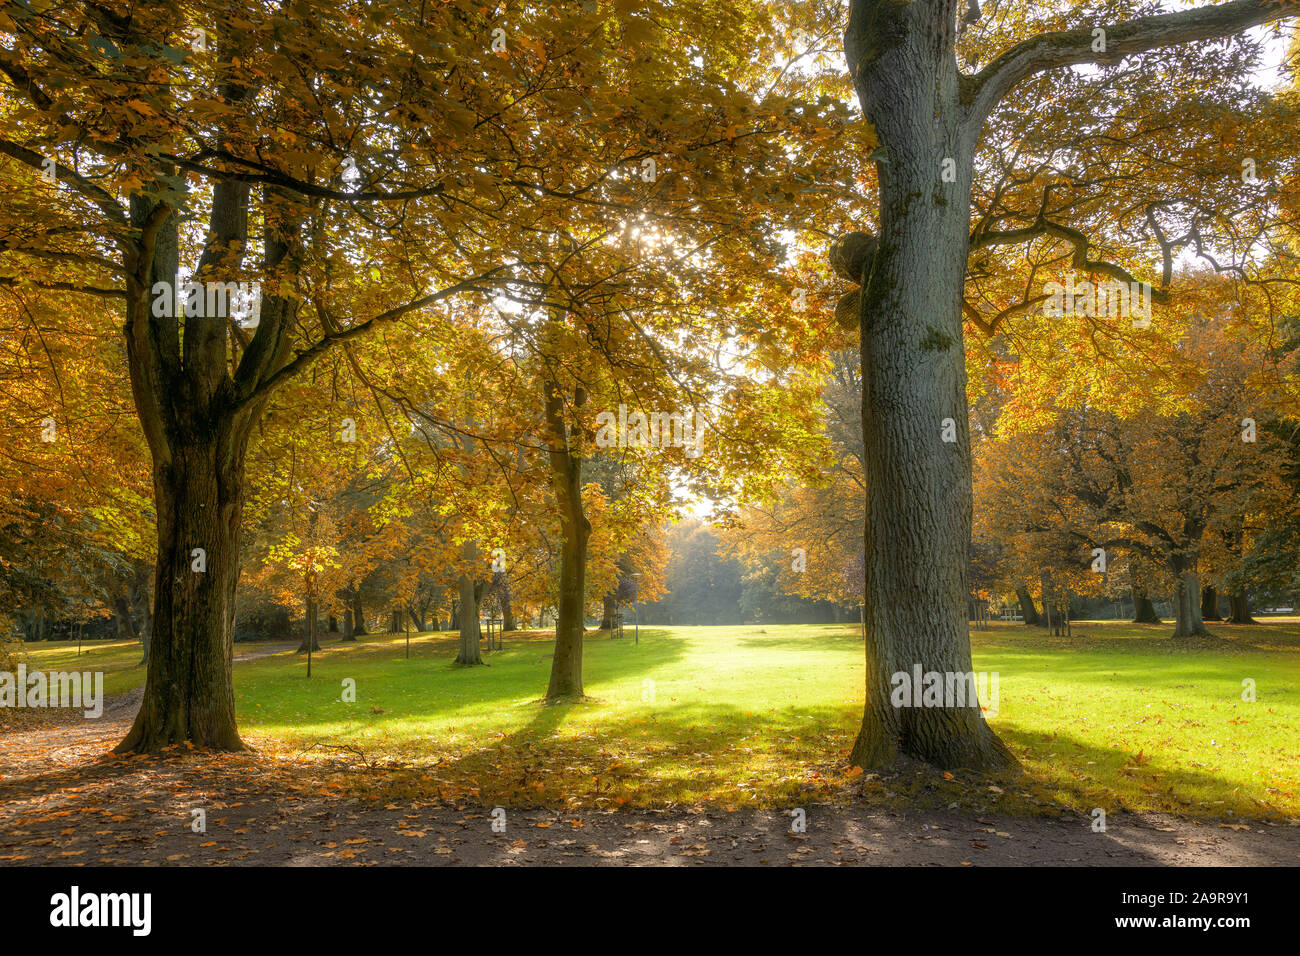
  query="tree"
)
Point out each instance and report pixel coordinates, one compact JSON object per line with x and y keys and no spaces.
{"x":1156,"y":488}
{"x":928,"y":116}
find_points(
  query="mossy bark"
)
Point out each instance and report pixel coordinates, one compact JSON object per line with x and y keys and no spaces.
{"x":919,"y":499}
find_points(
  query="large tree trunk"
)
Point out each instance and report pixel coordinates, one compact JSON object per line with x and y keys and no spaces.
{"x":566,"y":480}
{"x":470,"y":651}
{"x":1027,"y":609}
{"x":1240,"y":609}
{"x":196,"y":419}
{"x":1144,"y":612}
{"x":918,"y":523}
{"x":188,"y":694}
{"x":1187,"y":601}
{"x":122,"y":617}
{"x":358,"y":617}
{"x":508,"y":616}
{"x":610,"y":606}
{"x":1210,"y":604}
{"x":349,"y":636}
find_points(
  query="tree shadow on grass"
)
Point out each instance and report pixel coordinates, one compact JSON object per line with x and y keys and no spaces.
{"x":392,"y":691}
{"x":572,"y":754}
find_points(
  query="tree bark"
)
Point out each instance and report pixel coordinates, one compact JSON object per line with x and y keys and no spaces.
{"x":1187,"y":602}
{"x":189,"y":695}
{"x":1210,"y":604}
{"x":566,"y":480}
{"x":196,"y":419}
{"x":1027,"y":609}
{"x":309,"y":640}
{"x":1240,"y":609}
{"x":122,"y":617}
{"x":349,"y":636}
{"x":470,"y":652}
{"x":918,"y":523}
{"x":358,"y":617}
{"x":1144,"y":612}
{"x":610,"y":606}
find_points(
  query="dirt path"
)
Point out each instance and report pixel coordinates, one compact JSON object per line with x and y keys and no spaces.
{"x":63,"y":801}
{"x":267,"y":651}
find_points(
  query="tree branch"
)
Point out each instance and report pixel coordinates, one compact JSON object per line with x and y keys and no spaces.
{"x":313,"y":352}
{"x":1061,"y":48}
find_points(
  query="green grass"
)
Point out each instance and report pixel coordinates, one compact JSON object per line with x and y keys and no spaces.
{"x":1113,"y":717}
{"x":119,"y":660}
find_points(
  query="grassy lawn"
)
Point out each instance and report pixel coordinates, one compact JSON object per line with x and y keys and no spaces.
{"x":764,"y":715}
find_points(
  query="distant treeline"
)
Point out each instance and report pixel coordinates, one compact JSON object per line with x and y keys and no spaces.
{"x":705,"y":587}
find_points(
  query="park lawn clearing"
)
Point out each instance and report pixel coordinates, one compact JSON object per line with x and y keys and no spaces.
{"x":1114,"y":717}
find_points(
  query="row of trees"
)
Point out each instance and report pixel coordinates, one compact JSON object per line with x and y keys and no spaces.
{"x":1187,"y":487}
{"x":498,"y":224}
{"x":1171,"y":497}
{"x":488,"y":224}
